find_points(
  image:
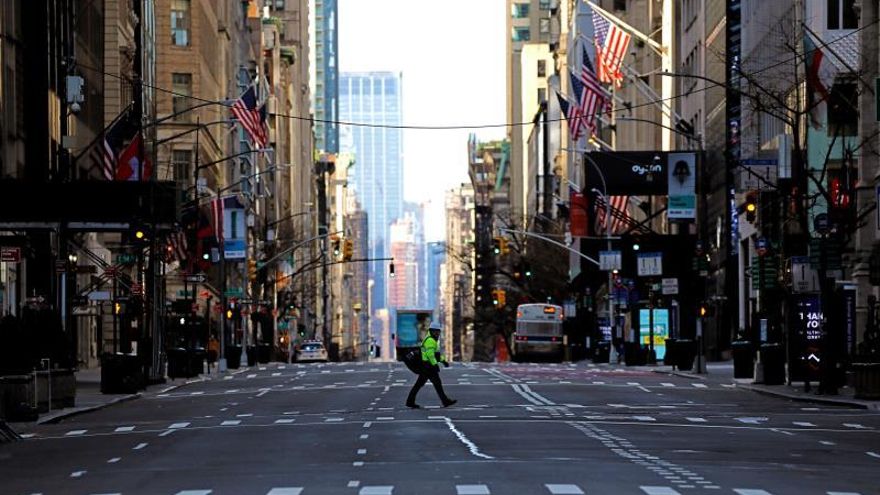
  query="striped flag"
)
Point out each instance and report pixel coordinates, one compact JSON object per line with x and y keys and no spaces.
{"x":619,"y":214}
{"x":111,"y":141}
{"x":217,"y":218}
{"x":245,"y":110}
{"x":572,"y":115}
{"x":178,"y":247}
{"x":577,"y":88}
{"x":595,"y":95}
{"x":611,"y":45}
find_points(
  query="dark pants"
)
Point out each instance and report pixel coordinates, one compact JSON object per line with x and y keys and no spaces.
{"x":429,"y":373}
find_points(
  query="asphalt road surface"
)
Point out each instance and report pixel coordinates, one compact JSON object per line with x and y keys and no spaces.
{"x":517,"y":429}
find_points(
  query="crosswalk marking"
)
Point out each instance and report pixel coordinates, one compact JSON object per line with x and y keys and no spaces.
{"x":564,"y":489}
{"x":74,"y":433}
{"x":178,"y":425}
{"x":231,"y":422}
{"x":139,"y":446}
{"x":124,"y":428}
{"x":376,"y":490}
{"x":472,"y":490}
{"x":667,"y":384}
{"x":285,"y":491}
{"x":644,"y":418}
{"x":658,"y":490}
{"x":748,"y":491}
{"x":843,"y":493}
{"x":194,"y":492}
{"x":855,"y":425}
{"x":699,"y":385}
{"x":803,"y":423}
{"x":697,"y":420}
{"x":284,"y":421}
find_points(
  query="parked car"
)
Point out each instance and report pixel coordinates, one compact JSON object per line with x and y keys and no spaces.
{"x":311,"y":350}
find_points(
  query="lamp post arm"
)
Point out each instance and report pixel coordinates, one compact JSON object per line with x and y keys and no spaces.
{"x":551,"y":241}
{"x":298,"y":245}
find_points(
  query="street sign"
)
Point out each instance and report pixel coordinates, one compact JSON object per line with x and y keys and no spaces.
{"x":99,"y":295}
{"x":10,"y":254}
{"x":758,"y":174}
{"x":650,"y":264}
{"x":804,"y":277}
{"x":670,"y":286}
{"x":198,"y":278}
{"x":126,"y":258}
{"x":609,"y":260}
{"x":234,"y":292}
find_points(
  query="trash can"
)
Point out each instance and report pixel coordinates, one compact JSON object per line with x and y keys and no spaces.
{"x":178,"y":366}
{"x":197,"y":357}
{"x":233,"y":357}
{"x":743,"y":359}
{"x":602,"y":351}
{"x":685,"y":352}
{"x":773,"y":360}
{"x":633,"y":354}
{"x":264,"y":353}
{"x":121,"y":374}
{"x":251,"y":355}
{"x":669,"y":357}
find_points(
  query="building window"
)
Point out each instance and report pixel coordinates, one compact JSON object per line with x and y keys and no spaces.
{"x":542,"y":68}
{"x":180,"y":22}
{"x":519,"y":10}
{"x":544,"y":4}
{"x":181,"y":161}
{"x":521,"y":34}
{"x":181,"y":85}
{"x":843,"y":110}
{"x":544,"y":26}
{"x":620,"y":5}
{"x":542,"y":95}
{"x":842,"y":14}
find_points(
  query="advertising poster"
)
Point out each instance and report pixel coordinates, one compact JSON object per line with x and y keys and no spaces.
{"x":661,"y":330}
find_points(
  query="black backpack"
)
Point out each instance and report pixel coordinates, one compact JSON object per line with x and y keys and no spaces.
{"x":413,"y":360}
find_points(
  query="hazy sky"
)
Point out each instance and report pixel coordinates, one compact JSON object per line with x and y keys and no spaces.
{"x":451,"y":55}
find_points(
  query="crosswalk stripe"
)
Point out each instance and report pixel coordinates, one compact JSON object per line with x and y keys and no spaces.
{"x":697,"y":420}
{"x":854,"y":425}
{"x":178,"y":425}
{"x":844,"y":493}
{"x":667,"y":384}
{"x":472,"y":490}
{"x":749,"y":491}
{"x":376,"y":490}
{"x":73,"y":433}
{"x":699,"y":385}
{"x":231,"y":422}
{"x":285,"y":491}
{"x":644,"y":418}
{"x":124,"y":428}
{"x":658,"y":490}
{"x":285,"y":421}
{"x":194,"y":492}
{"x":803,"y":423}
{"x":564,"y":489}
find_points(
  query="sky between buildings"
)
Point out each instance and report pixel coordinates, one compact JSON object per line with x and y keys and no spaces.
{"x":451,"y":55}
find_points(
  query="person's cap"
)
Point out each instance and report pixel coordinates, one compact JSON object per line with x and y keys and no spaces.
{"x":435,"y":327}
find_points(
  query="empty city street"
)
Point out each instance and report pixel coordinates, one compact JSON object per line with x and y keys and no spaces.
{"x":517,"y":428}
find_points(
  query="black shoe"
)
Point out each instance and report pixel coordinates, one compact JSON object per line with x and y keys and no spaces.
{"x":413,"y":406}
{"x":449,"y":402}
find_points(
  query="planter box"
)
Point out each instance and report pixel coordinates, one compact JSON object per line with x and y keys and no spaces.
{"x":17,"y":398}
{"x":866,"y":377}
{"x":63,"y":389}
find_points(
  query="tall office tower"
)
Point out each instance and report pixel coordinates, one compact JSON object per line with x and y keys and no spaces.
{"x":375,"y":98}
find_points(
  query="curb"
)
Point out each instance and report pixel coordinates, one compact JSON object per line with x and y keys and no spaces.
{"x":682,"y":374}
{"x":82,"y":410}
{"x":813,"y":399}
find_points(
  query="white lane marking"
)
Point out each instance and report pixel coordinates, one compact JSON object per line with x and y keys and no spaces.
{"x":633,"y":384}
{"x":231,"y":422}
{"x":124,"y":428}
{"x":598,"y":383}
{"x":246,"y":415}
{"x":667,"y":384}
{"x":472,"y":490}
{"x":826,"y":442}
{"x":844,"y":493}
{"x":114,"y":460}
{"x":855,"y":425}
{"x":376,"y":490}
{"x":73,"y":433}
{"x":644,"y":418}
{"x":777,"y":430}
{"x":276,"y":374}
{"x":749,"y":491}
{"x":805,"y":424}
{"x":362,"y":451}
{"x":751,"y":420}
{"x":196,"y":393}
{"x":285,"y":491}
{"x":166,"y":433}
{"x":284,"y":421}
{"x":385,"y":418}
{"x":333,"y":420}
{"x":470,"y":445}
{"x":264,"y":392}
{"x":696,"y":420}
{"x":364,"y":437}
{"x":564,"y":489}
{"x":28,"y":435}
{"x":643,"y":388}
{"x":368,"y":424}
{"x":252,"y":375}
{"x":228,"y":377}
{"x":728,"y":385}
{"x":354,"y":484}
{"x":194,"y":492}
{"x":658,"y":490}
{"x":139,"y":446}
{"x":77,"y":474}
{"x":699,"y":385}
{"x":232,"y":391}
{"x":488,"y":417}
{"x":357,"y":463}
{"x":178,"y":425}
{"x":873,"y":454}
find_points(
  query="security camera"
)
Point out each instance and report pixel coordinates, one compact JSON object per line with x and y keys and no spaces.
{"x":75,"y":107}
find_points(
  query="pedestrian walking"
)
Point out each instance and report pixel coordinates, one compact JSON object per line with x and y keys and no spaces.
{"x":430,"y":369}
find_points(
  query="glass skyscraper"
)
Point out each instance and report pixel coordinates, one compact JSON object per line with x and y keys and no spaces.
{"x":377,"y":176}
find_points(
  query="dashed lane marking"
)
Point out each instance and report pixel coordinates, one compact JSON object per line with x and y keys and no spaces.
{"x":122,"y":429}
{"x":354,"y":484}
{"x":284,"y":421}
{"x":750,"y":491}
{"x":564,"y":489}
{"x":873,"y":454}
{"x":364,"y":437}
{"x":376,"y":490}
{"x":286,"y":491}
{"x":231,"y":422}
{"x":357,"y":463}
{"x":140,"y":446}
{"x":699,"y":385}
{"x":667,"y":384}
{"x":658,"y":490}
{"x":178,"y":425}
{"x":826,"y":442}
{"x":114,"y":460}
{"x":805,"y":424}
{"x":472,"y":490}
{"x":75,"y":433}
{"x":194,"y":492}
{"x":855,"y":425}
{"x":252,"y":375}
{"x":166,"y":433}
{"x":77,"y":474}
{"x":696,"y":420}
{"x":362,"y":451}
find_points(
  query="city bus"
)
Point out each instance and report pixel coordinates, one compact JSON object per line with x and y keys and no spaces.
{"x":538,"y":332}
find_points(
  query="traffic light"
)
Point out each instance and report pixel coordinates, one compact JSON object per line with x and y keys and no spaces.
{"x":505,"y":247}
{"x":336,"y":248}
{"x":138,"y":234}
{"x":706,"y":310}
{"x":527,"y":270}
{"x":496,"y":245}
{"x":347,"y":250}
{"x":750,"y":206}
{"x":252,"y":270}
{"x":499,"y":298}
{"x":391,"y":269}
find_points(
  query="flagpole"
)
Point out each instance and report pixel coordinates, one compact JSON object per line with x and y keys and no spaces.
{"x":822,"y":44}
{"x":660,"y":49}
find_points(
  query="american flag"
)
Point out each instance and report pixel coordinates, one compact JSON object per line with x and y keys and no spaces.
{"x":178,"y":246}
{"x":245,"y":110}
{"x":217,"y":218}
{"x":611,"y":46}
{"x":619,"y":214}
{"x":111,"y":140}
{"x":595,"y":96}
{"x":578,"y":124}
{"x":572,"y":114}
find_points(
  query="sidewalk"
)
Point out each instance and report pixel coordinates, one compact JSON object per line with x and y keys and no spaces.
{"x":722,"y":372}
